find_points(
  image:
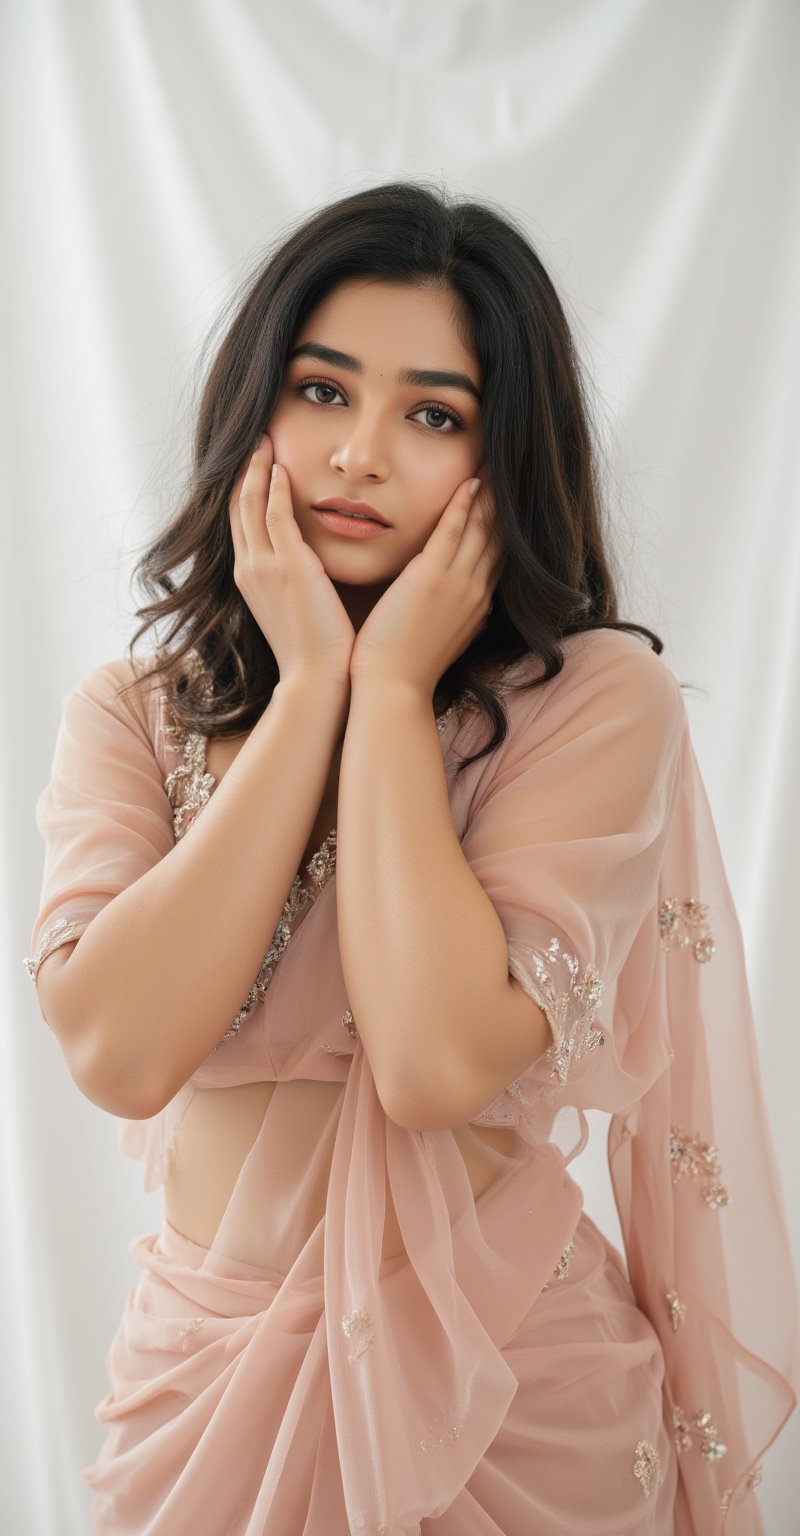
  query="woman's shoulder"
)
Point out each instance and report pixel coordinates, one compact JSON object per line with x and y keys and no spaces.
{"x":598,"y":654}
{"x":614,"y":663}
{"x":126,"y":686}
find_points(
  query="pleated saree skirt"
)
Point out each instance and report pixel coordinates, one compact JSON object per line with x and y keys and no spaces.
{"x":220,"y":1423}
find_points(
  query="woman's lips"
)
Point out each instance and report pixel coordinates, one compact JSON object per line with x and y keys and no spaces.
{"x":350,"y":527}
{"x":345,"y":504}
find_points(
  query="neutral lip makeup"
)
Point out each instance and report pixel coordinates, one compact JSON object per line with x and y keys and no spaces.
{"x":343,"y":504}
{"x":351,"y":527}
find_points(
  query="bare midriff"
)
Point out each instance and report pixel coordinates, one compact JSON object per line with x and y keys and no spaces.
{"x":220,"y":1126}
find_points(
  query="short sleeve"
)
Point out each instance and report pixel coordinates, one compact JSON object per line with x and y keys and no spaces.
{"x":104,"y":815}
{"x":566,"y":836}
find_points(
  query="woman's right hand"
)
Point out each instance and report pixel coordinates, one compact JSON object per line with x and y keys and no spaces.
{"x":282,"y":580}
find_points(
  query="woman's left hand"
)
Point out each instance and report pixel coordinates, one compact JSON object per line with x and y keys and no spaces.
{"x":439,"y":602}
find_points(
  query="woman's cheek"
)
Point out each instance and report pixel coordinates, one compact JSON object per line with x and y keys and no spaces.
{"x":278,"y":435}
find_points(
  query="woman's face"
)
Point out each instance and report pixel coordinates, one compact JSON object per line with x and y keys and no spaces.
{"x":349,"y":426}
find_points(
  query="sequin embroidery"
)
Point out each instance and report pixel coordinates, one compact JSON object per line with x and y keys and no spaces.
{"x":501,"y":1111}
{"x":568,"y":998}
{"x":677,"y":1310}
{"x":647,"y":1467}
{"x":435,"y":1439}
{"x":699,"y":1158}
{"x":348,"y":1024}
{"x":188,"y":785}
{"x":702,"y":1428}
{"x":752,"y":1482}
{"x":676,"y":917}
{"x":62,"y":931}
{"x":188,"y":1333}
{"x":562,"y":1268}
{"x":358,"y":1325}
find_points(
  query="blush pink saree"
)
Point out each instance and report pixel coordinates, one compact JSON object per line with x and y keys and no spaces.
{"x":507,"y":1372}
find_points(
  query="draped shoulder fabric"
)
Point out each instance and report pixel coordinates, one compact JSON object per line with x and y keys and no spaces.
{"x":504,"y":1370}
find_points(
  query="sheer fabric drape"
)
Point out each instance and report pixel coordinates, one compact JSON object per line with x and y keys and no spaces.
{"x":380,"y":1389}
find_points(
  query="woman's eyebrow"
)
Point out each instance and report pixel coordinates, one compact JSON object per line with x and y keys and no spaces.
{"x":429,"y":376}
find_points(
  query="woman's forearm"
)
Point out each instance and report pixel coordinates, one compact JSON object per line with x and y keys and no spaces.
{"x":423,"y":950}
{"x":162,"y":970}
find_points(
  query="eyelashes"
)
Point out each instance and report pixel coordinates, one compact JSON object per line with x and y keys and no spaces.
{"x":444,"y":410}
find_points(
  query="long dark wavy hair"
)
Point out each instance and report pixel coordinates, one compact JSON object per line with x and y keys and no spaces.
{"x":537,"y":444}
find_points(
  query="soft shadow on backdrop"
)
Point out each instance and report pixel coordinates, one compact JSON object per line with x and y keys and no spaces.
{"x":652,"y":152}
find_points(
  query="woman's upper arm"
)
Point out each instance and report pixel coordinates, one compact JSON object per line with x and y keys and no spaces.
{"x":51,"y":992}
{"x":104,"y":817}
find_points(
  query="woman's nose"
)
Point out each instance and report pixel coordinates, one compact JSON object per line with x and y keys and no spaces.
{"x":360,"y":454}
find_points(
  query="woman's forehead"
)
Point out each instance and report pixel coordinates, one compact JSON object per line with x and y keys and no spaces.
{"x":408,"y":332}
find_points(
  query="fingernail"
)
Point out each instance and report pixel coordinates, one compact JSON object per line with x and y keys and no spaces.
{"x":274,"y":472}
{"x":474,"y":487}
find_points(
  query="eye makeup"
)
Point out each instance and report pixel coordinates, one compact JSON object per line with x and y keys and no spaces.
{"x":433,"y":405}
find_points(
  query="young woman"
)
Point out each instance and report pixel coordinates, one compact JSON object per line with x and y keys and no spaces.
{"x":375,"y":1303}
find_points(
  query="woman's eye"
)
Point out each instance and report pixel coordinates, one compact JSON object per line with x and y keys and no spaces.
{"x":444,"y":413}
{"x":439,"y":410}
{"x":316,"y":384}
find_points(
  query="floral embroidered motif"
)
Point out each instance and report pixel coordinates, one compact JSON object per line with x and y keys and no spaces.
{"x":562,"y":1268}
{"x":677,"y":1310}
{"x":711,"y":1449}
{"x":752,"y":1481}
{"x":499,"y":1112}
{"x":691,"y":1155}
{"x":674,"y":917}
{"x":570,"y":1001}
{"x":441,"y":720}
{"x":435,"y":1440}
{"x":188,"y":785}
{"x":358,"y":1325}
{"x":189,"y":1331}
{"x":348,"y":1023}
{"x":647,"y":1467}
{"x":62,"y":931}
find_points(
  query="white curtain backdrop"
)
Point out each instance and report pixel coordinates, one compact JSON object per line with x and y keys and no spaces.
{"x":150,"y":149}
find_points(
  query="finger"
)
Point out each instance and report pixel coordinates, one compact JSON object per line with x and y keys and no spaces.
{"x":280,"y":522}
{"x":234,"y":510}
{"x":491,"y":556}
{"x":445,"y":542}
{"x":254,"y":493}
{"x":481,"y":543}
